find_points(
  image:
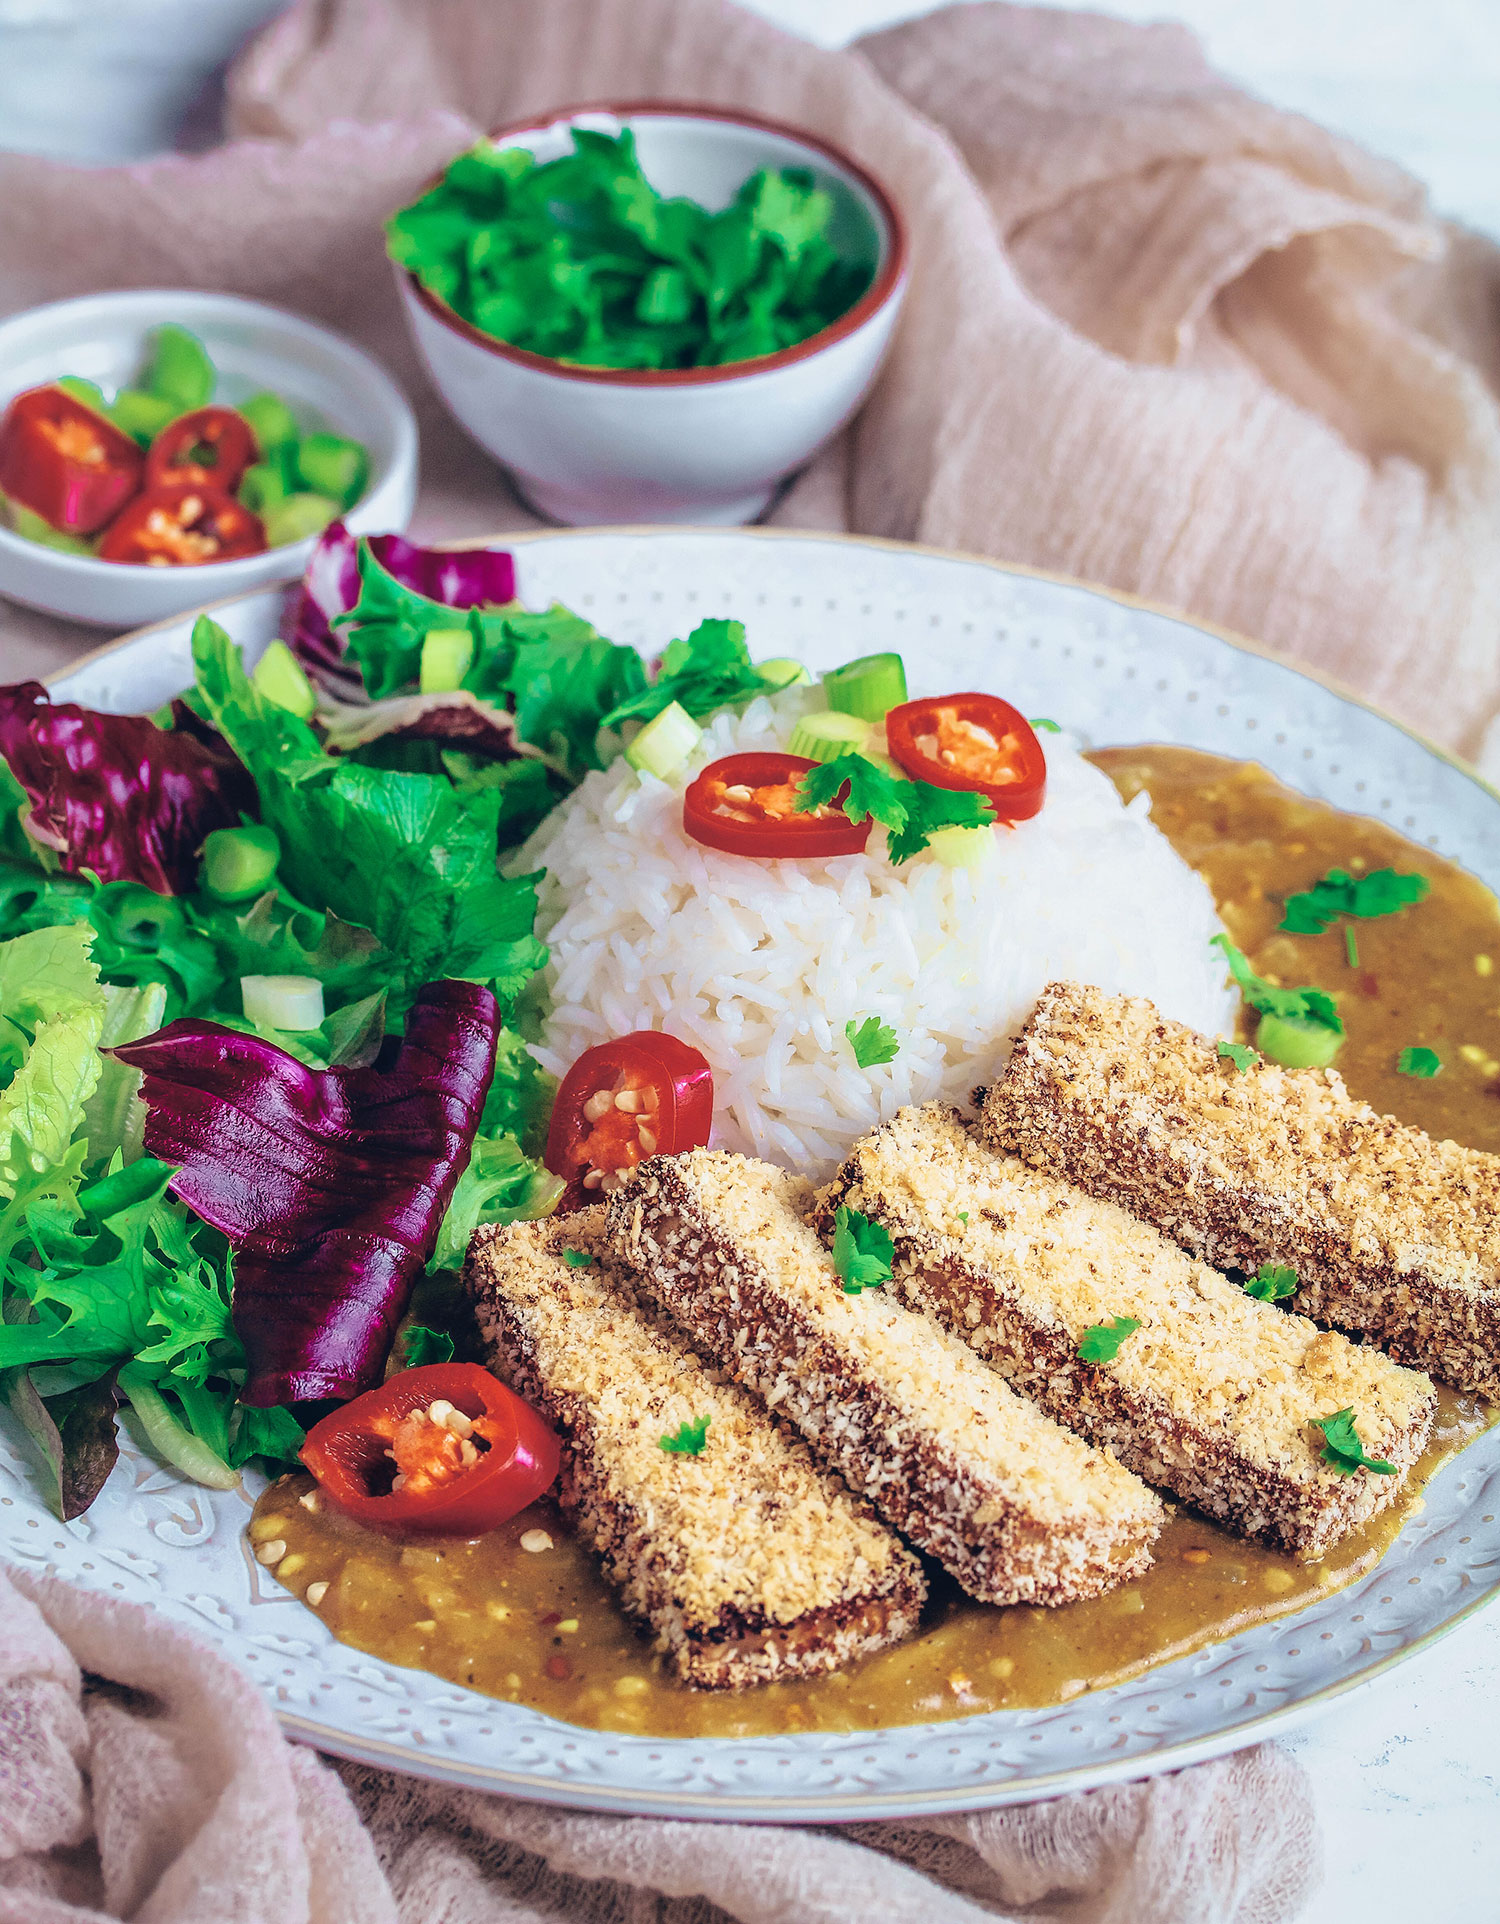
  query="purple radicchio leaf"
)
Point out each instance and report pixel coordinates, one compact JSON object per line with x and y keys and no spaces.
{"x":331,"y":1185}
{"x":329,"y":587}
{"x":117,"y":794}
{"x":457,"y":720}
{"x":475,"y":578}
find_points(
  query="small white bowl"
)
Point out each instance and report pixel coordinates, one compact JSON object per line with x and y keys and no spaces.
{"x":588,"y":446}
{"x":328,"y":384}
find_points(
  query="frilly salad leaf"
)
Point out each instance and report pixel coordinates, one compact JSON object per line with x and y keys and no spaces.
{"x":499,"y":1184}
{"x":42,"y":1106}
{"x":474,"y":578}
{"x":121,"y":1284}
{"x":331,"y":1187}
{"x":407,"y":856}
{"x":115,"y":794}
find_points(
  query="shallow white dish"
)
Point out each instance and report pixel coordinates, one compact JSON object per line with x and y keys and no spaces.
{"x":707,"y":444}
{"x":328,"y":383}
{"x":1118,"y":673}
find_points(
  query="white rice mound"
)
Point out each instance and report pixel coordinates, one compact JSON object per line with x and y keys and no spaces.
{"x":761,"y":964}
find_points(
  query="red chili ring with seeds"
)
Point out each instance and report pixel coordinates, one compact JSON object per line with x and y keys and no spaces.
{"x":646,"y":1094}
{"x":445,"y":1448}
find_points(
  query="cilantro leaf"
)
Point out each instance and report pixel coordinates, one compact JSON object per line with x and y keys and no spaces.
{"x":1100,"y":1343}
{"x":709,"y":670}
{"x":580,"y":258}
{"x":1314,"y":1006}
{"x":930,"y":808}
{"x":577,"y":1258}
{"x":862,"y":1250}
{"x":862,"y":790}
{"x":1382,"y":892}
{"x":963,"y":1217}
{"x":1271,"y":1283}
{"x":910,"y":812}
{"x":1422,"y":1063}
{"x":1240,"y":1054}
{"x":421,"y":1345}
{"x":1342,"y":1449}
{"x":689,"y":1438}
{"x":872,"y":1041}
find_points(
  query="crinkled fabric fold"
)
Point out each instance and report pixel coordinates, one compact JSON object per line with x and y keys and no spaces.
{"x":1161,"y":335}
{"x":145,"y":1779}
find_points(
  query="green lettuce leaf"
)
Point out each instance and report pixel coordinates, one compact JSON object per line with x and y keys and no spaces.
{"x":406,"y":856}
{"x":500,"y":1184}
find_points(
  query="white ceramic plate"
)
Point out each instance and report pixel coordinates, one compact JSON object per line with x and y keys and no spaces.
{"x":1118,"y":673}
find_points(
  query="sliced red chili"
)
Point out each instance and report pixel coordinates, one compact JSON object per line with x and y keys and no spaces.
{"x":975,"y":742}
{"x":442,"y":1449}
{"x":747,"y":805}
{"x":211,"y":447}
{"x":182,"y":526}
{"x":646,"y":1094}
{"x":66,"y":463}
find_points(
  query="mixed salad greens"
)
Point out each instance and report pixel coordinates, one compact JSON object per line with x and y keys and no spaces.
{"x":580,"y":259}
{"x":259,"y":972}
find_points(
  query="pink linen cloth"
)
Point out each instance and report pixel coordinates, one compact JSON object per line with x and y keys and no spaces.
{"x":143,"y":1778}
{"x":1160,"y":335}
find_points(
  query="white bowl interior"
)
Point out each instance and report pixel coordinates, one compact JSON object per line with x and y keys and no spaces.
{"x":706,"y":159}
{"x":328,"y":385}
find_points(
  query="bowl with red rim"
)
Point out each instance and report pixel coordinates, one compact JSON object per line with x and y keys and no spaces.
{"x":327,"y":383}
{"x":587,"y":446}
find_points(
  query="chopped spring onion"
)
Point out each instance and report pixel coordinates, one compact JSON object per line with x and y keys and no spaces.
{"x":960,"y":847}
{"x":143,"y":416}
{"x":298,"y":517}
{"x":782,"y":672}
{"x":88,"y":392}
{"x":447,"y":654}
{"x":239,"y":863}
{"x":665,"y":743}
{"x":870,"y":687}
{"x":278,"y":676}
{"x":1297,"y":1044}
{"x":282,"y":1001}
{"x":272,"y":421}
{"x":823,"y":738}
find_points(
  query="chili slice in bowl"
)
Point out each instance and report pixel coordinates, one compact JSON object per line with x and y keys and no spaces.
{"x":181,"y":526}
{"x":65,"y":462}
{"x":443,"y":1448}
{"x":747,"y":805}
{"x":971,"y":741}
{"x":211,"y":448}
{"x":646,"y":1094}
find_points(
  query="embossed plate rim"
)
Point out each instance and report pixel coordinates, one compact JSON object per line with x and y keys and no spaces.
{"x":834,"y":1776}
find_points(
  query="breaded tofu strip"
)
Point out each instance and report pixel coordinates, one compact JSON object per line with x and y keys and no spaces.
{"x":748,"y":1561}
{"x":1390,"y":1233}
{"x":1215,"y":1396}
{"x":1016,"y":1508}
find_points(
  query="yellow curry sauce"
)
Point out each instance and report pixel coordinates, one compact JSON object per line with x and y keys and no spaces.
{"x":523,"y":1613}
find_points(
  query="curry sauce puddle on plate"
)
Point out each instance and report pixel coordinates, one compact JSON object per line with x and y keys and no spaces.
{"x":542,"y":1628}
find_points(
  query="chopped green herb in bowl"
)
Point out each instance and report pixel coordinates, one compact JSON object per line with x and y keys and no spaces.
{"x":581,"y":259}
{"x":651,"y":313}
